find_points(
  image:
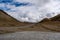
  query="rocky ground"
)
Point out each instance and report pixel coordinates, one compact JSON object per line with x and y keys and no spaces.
{"x":31,"y":35}
{"x":9,"y":24}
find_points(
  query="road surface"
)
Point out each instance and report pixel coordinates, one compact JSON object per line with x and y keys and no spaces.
{"x":31,"y":35}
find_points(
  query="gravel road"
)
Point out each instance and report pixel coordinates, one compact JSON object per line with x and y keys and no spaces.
{"x":31,"y":35}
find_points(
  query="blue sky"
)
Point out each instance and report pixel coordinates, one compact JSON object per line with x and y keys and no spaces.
{"x":6,"y":1}
{"x":30,"y":10}
{"x":11,"y":2}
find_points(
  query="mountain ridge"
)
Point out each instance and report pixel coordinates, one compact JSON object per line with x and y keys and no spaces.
{"x":5,"y":17}
{"x":9,"y":24}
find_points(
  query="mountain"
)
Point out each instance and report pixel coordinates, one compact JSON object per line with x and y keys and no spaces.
{"x":56,"y":18}
{"x":9,"y":24}
{"x":7,"y":21}
{"x":50,"y":25}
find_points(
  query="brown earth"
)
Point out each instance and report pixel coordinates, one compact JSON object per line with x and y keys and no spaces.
{"x":9,"y":24}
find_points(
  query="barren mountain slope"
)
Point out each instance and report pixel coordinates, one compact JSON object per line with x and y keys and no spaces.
{"x":9,"y":24}
{"x":8,"y":21}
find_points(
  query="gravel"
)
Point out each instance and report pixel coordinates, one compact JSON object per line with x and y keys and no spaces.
{"x":30,"y":35}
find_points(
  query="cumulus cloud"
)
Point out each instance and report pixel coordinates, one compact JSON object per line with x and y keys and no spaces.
{"x":31,"y":10}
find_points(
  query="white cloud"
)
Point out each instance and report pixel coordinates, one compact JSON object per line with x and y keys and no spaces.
{"x":39,"y":10}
